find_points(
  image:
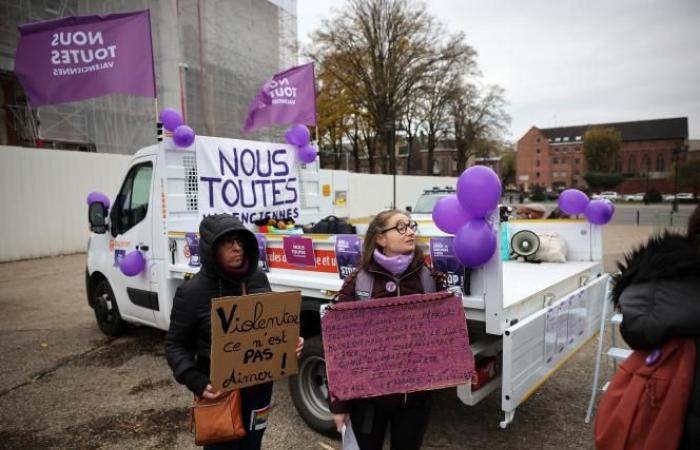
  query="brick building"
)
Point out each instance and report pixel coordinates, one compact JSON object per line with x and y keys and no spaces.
{"x":554,"y":157}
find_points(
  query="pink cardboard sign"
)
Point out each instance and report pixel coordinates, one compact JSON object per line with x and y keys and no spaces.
{"x":396,"y":345}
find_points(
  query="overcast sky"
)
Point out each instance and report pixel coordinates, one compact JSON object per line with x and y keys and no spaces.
{"x":572,"y":62}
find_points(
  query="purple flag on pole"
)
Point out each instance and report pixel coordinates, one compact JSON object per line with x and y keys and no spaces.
{"x":289,"y":97}
{"x":80,"y":57}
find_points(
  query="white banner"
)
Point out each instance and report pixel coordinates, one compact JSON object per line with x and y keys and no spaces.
{"x":250,"y":180}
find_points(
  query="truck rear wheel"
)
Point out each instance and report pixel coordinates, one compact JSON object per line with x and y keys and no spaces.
{"x":309,"y":388}
{"x":106,"y":310}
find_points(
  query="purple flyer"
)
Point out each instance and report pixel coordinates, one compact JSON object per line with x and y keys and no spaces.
{"x":445,"y":261}
{"x":193,"y":248}
{"x":119,"y":254}
{"x":347,"y":254}
{"x":262,"y":250}
{"x":299,"y":251}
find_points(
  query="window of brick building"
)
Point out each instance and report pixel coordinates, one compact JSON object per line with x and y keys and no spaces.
{"x":631,"y":164}
{"x":538,"y":139}
{"x":537,"y":175}
{"x":555,"y":161}
{"x":538,"y":150}
{"x":660,"y":163}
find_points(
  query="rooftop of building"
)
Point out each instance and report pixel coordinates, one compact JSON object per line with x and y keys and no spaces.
{"x":640,"y":130}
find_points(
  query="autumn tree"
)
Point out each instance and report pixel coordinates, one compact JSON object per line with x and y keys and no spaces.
{"x":601,"y":148}
{"x":379,"y":51}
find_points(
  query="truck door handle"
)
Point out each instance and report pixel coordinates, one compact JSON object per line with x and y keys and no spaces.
{"x":143,"y":248}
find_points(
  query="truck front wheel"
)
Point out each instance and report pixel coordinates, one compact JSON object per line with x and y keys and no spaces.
{"x":309,"y":388}
{"x":106,"y":310}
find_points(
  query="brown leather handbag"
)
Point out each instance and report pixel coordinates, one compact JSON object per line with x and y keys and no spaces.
{"x":220,"y":420}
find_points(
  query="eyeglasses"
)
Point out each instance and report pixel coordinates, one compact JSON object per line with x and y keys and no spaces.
{"x":229,"y":242}
{"x":402,"y":227}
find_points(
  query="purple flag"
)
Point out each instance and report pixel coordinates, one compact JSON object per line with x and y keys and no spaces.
{"x":80,"y":57}
{"x":289,"y":97}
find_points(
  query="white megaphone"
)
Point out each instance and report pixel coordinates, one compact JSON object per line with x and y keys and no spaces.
{"x":525,"y":244}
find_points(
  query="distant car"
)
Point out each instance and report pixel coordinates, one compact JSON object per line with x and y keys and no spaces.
{"x":638,"y":197}
{"x":608,"y":195}
{"x":551,"y":195}
{"x":686,"y":197}
{"x":668,"y":197}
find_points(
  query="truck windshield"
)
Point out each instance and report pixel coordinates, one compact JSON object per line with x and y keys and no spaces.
{"x":425,"y":203}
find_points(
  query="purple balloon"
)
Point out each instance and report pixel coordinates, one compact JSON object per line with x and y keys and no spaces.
{"x":298,"y":135}
{"x":599,"y":212}
{"x":94,"y":197}
{"x":573,"y":201}
{"x":479,"y":190}
{"x":448,"y":214}
{"x":475,"y":243}
{"x":183,"y":136}
{"x":132,"y":264}
{"x":307,"y":154}
{"x":170,"y":118}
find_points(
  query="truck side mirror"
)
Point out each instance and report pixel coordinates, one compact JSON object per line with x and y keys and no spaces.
{"x":97,"y":216}
{"x":409,"y":208}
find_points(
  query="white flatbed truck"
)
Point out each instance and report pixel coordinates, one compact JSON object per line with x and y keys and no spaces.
{"x":533,"y":316}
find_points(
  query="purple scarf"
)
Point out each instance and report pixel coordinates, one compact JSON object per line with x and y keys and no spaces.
{"x":396,"y":265}
{"x":237,"y":274}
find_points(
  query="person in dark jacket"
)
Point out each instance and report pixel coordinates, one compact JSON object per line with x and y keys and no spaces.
{"x":391,"y":257}
{"x":229,"y":267}
{"x":658,"y":293}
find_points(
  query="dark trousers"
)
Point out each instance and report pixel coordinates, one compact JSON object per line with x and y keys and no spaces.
{"x":252,"y":399}
{"x":407,"y":422}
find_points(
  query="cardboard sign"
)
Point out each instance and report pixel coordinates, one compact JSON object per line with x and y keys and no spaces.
{"x":253,"y":339}
{"x":396,"y":345}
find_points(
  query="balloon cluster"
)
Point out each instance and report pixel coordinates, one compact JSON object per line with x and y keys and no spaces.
{"x":183,"y":136}
{"x":464,"y":215}
{"x":598,"y":211}
{"x":299,"y":136}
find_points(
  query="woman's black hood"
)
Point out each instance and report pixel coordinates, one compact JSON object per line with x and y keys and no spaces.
{"x":211,"y":230}
{"x":667,"y":257}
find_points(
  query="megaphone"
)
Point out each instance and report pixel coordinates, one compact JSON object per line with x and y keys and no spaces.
{"x":525,"y":243}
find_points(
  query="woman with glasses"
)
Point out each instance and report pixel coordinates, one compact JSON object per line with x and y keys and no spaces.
{"x":392,"y":265}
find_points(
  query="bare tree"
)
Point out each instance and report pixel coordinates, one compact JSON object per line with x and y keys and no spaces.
{"x":379,"y":50}
{"x":476,"y":116}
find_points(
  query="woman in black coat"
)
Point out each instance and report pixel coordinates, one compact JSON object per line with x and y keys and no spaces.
{"x":658,"y":293}
{"x":229,"y":267}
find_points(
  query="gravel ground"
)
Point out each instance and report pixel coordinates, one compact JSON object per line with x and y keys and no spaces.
{"x":65,"y":385}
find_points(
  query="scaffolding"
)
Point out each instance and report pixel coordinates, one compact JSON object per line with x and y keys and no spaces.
{"x":211,"y":58}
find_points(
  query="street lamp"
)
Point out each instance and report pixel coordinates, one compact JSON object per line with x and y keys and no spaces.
{"x":390,"y":128}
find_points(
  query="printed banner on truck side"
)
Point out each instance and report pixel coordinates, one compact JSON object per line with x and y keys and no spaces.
{"x":396,"y":345}
{"x":254,"y":339}
{"x":251,"y":180}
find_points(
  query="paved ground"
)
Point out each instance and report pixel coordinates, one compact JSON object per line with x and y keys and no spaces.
{"x":64,"y":385}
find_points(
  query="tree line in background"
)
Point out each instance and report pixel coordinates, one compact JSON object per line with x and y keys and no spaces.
{"x":388,"y":65}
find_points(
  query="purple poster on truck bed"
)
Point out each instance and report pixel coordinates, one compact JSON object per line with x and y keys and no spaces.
{"x":193,"y":249}
{"x":347,"y":254}
{"x":445,"y":261}
{"x":262,"y":250}
{"x":299,"y":251}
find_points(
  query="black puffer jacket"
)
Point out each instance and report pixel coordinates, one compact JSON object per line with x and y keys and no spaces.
{"x":188,"y":342}
{"x":658,"y":293}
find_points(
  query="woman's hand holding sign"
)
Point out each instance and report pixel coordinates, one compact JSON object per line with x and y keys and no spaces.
{"x":210,"y":393}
